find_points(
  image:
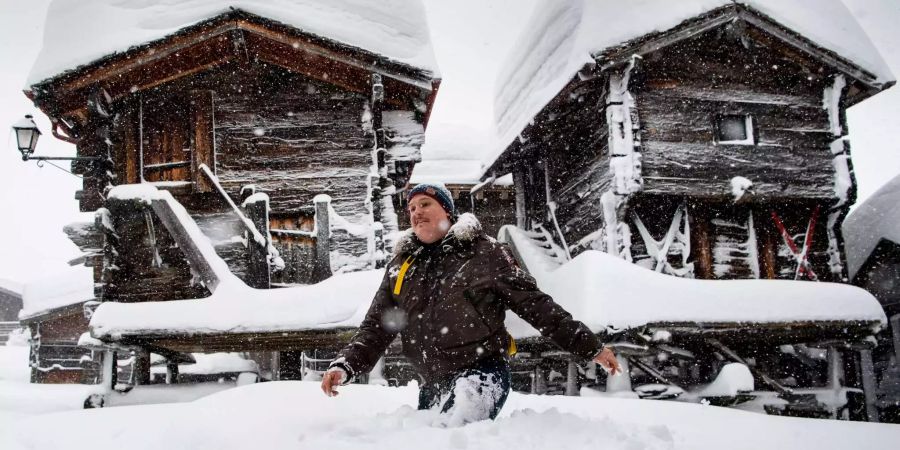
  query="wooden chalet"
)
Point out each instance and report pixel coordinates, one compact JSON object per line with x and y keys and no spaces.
{"x":56,"y":357}
{"x":704,"y":141}
{"x":714,"y":149}
{"x":10,"y":305}
{"x":872,"y":233}
{"x":53,"y":313}
{"x":284,"y":135}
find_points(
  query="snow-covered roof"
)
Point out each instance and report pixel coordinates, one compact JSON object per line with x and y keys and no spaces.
{"x":597,"y":288}
{"x":396,"y":29}
{"x":70,"y":287}
{"x":563,"y":36}
{"x":875,"y":219}
{"x":602,"y":290}
{"x":11,"y":286}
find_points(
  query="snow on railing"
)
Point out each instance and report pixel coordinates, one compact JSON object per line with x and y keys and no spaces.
{"x":535,"y":250}
{"x":258,"y":238}
{"x":372,"y":232}
{"x":551,"y":208}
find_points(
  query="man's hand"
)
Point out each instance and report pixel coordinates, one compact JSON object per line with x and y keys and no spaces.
{"x":607,"y":359}
{"x":331,"y":379}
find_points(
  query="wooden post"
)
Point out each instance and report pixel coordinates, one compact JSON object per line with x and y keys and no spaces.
{"x":701,"y":244}
{"x":769,"y":250}
{"x":132,"y":145}
{"x":108,"y":376}
{"x":276,"y":366}
{"x":519,"y":185}
{"x":204,"y":151}
{"x":246,"y":192}
{"x":572,"y":379}
{"x":322,"y":268}
{"x":380,"y":256}
{"x":258,"y":273}
{"x":374,"y":181}
{"x":378,"y":181}
{"x":869,"y":386}
{"x":895,"y":330}
{"x":141,"y":367}
{"x":171,"y":372}
{"x":835,"y":373}
{"x":539,"y":386}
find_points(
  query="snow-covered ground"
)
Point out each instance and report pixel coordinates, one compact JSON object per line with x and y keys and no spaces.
{"x":295,"y":414}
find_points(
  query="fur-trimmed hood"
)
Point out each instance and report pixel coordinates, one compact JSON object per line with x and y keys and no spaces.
{"x":465,"y":230}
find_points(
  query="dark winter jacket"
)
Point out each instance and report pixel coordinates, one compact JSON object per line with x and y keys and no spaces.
{"x":452,"y":303}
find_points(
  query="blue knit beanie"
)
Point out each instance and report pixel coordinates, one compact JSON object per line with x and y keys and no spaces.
{"x":436,"y":191}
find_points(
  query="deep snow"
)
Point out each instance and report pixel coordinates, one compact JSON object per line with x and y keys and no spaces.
{"x":295,"y":414}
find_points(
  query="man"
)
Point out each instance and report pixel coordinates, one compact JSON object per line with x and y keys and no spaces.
{"x":446,"y":291}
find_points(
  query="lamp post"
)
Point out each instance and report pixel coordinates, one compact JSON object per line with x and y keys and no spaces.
{"x":27,"y":134}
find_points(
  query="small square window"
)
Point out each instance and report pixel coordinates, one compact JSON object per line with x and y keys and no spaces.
{"x":735,"y":129}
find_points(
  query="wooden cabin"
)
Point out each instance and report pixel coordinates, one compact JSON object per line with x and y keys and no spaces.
{"x":55,"y":355}
{"x":10,"y":305}
{"x":700,"y":141}
{"x":285,"y":130}
{"x":53,"y":314}
{"x":872,"y":236}
{"x":714,"y":149}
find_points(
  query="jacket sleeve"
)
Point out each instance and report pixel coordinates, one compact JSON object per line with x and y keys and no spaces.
{"x":520,"y":293}
{"x":371,"y":339}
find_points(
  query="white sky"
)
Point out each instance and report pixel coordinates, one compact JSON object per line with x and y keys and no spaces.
{"x":471,"y":39}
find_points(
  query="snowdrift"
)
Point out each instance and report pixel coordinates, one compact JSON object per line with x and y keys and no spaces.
{"x":295,"y":414}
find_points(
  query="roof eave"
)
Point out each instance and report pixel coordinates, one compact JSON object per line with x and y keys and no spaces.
{"x":219,"y":40}
{"x":622,"y":54}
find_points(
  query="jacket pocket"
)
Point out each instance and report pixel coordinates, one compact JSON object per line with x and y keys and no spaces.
{"x":459,"y":323}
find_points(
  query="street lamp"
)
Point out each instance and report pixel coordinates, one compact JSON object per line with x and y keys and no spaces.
{"x":27,"y":134}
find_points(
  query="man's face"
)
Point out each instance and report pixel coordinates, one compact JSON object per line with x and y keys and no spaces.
{"x":429,"y":220}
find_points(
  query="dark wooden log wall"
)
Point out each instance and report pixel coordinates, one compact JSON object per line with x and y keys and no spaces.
{"x":291,"y":136}
{"x":59,"y":336}
{"x":404,"y":135}
{"x":575,"y":142}
{"x":684,"y":87}
{"x":295,"y":138}
{"x":140,"y":268}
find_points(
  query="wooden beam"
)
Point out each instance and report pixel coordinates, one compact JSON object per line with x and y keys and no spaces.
{"x":187,"y":245}
{"x":276,"y":340}
{"x":259,"y":275}
{"x":204,"y":150}
{"x":306,"y":60}
{"x":322,"y":265}
{"x":641,"y":46}
{"x":131,"y":142}
{"x":802,"y":44}
{"x":700,"y":243}
{"x":354,"y":57}
{"x":768,"y":259}
{"x":869,"y":384}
